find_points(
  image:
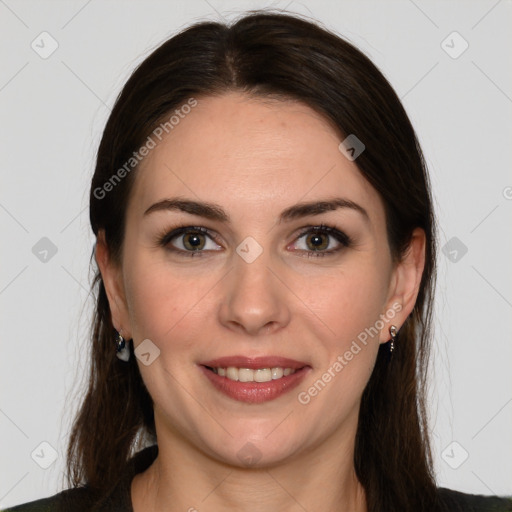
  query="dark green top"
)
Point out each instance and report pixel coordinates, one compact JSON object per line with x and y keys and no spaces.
{"x":119,"y":500}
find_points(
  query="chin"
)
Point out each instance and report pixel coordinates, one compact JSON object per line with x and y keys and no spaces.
{"x":255,"y":451}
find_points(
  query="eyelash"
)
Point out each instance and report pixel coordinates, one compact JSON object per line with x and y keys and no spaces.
{"x":167,"y":236}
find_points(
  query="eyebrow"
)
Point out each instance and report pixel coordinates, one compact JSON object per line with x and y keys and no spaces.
{"x":215,"y":212}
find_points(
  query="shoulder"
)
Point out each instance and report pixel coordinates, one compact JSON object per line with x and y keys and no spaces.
{"x":78,"y":500}
{"x":82,"y":499}
{"x":459,"y":501}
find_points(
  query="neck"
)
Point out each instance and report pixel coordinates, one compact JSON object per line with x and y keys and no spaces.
{"x":184,"y":479}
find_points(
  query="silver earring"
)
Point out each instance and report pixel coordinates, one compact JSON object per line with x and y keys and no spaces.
{"x":122,"y":349}
{"x":393,"y":332}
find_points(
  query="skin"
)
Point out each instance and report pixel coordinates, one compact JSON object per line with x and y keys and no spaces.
{"x":255,"y":158}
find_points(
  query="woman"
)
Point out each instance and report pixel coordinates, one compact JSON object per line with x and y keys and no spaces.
{"x":266,"y":258}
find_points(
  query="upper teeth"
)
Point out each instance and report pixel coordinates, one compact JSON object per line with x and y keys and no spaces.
{"x":249,"y":375}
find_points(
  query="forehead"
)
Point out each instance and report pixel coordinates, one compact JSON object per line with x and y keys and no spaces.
{"x":253,"y":155}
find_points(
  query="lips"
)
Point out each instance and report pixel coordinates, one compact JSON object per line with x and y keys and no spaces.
{"x":239,"y":377}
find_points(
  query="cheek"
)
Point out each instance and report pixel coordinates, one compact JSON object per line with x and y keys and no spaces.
{"x":350,"y":310}
{"x":350,"y":302}
{"x":162,"y":300}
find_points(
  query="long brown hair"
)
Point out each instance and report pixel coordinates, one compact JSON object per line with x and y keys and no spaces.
{"x":267,"y":54}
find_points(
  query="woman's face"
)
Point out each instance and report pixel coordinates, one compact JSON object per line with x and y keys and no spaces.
{"x":254,"y":283}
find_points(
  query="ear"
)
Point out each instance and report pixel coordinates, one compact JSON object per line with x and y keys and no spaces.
{"x":405,"y":284}
{"x":111,"y":274}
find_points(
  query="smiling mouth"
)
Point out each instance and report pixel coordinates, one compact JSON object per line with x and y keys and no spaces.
{"x":242,"y":384}
{"x":254,"y":379}
{"x":252,"y":375}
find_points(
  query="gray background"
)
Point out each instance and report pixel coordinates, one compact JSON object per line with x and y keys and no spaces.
{"x":53,"y":110}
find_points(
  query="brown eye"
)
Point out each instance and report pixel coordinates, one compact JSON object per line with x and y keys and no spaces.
{"x":322,"y":241}
{"x":317,"y":241}
{"x":188,"y":241}
{"x":194,"y":241}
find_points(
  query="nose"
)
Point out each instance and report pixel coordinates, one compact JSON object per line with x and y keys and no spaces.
{"x":255,"y":300}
